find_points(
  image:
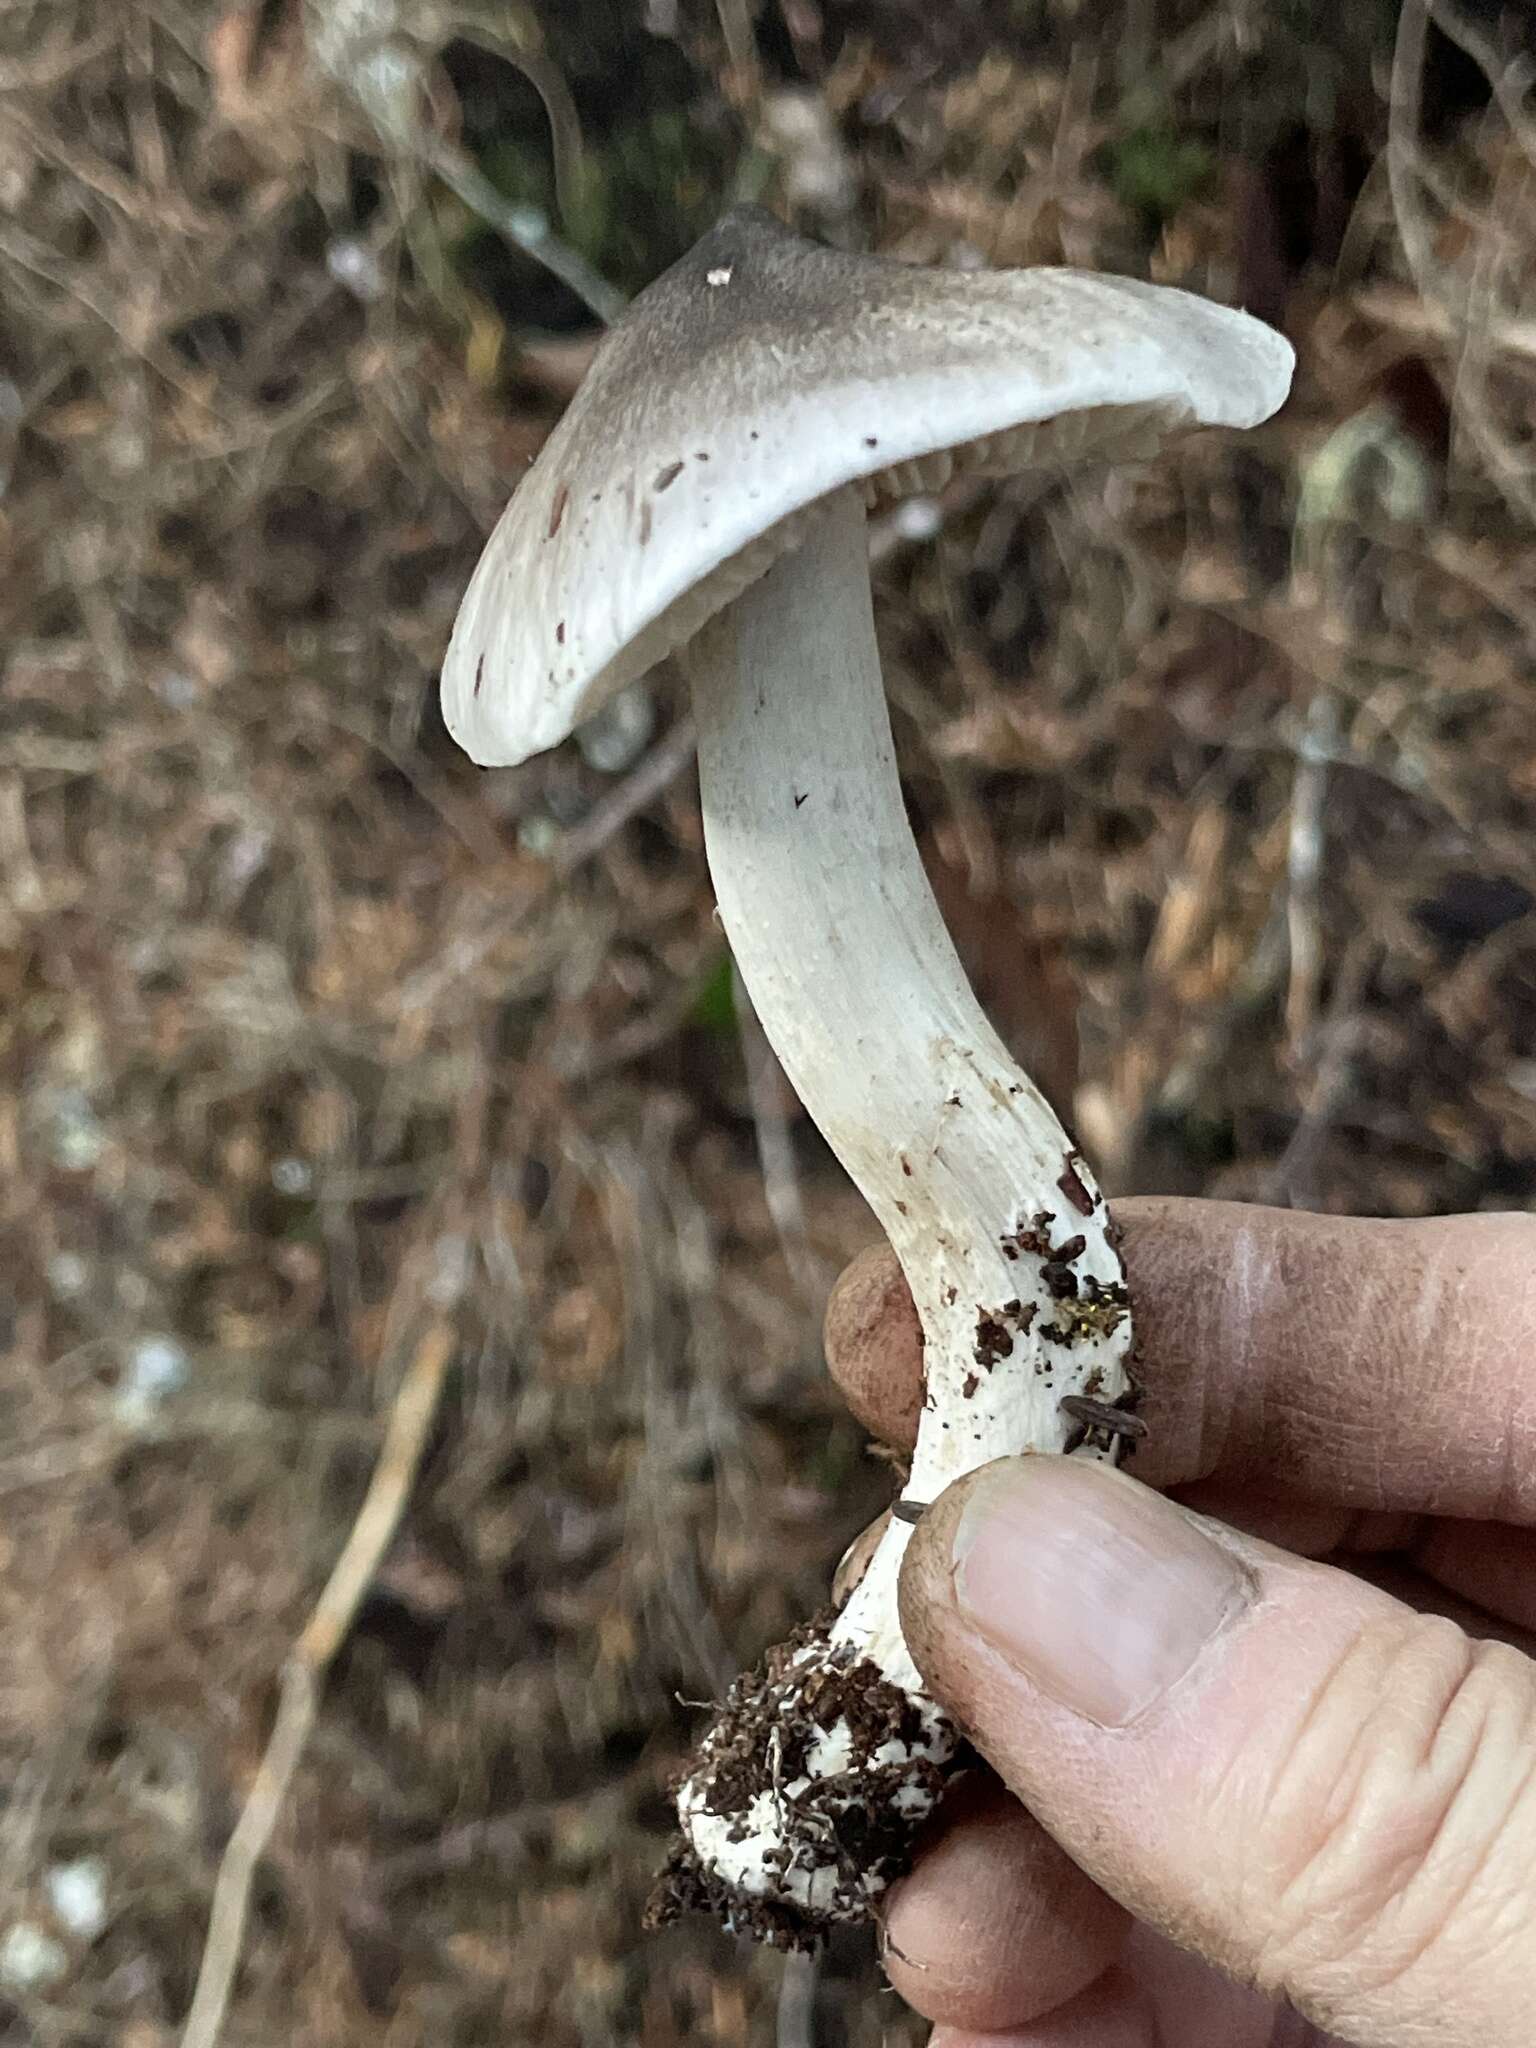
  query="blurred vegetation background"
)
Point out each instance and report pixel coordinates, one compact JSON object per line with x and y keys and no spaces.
{"x":331,"y":1066}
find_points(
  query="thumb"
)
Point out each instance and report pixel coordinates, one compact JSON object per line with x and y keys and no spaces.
{"x":1329,"y":1795}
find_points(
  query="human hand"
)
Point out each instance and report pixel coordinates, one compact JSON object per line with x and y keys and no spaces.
{"x":1280,"y":1789}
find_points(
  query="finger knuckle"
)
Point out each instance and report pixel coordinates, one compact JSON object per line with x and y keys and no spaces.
{"x":1403,"y":1847}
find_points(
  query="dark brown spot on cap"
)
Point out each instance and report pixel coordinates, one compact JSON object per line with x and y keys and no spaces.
{"x":479,"y":674}
{"x":664,"y":479}
{"x":557,"y":510}
{"x":560,"y":634}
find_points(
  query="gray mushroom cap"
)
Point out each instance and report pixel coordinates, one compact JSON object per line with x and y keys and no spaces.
{"x":763,"y":372}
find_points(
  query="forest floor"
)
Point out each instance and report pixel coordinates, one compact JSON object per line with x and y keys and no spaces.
{"x":326,"y":1059}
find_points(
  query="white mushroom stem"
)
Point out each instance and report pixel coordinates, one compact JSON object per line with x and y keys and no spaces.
{"x":842,"y":947}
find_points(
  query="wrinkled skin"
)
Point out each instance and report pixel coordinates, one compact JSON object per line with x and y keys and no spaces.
{"x":1357,"y":1392}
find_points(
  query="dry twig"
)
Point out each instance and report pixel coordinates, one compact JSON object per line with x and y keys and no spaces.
{"x":524,"y":226}
{"x":410,"y":1421}
{"x":1509,"y":81}
{"x":1407,"y":174}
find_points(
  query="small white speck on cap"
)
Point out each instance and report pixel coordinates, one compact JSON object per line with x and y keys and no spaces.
{"x":720,"y":276}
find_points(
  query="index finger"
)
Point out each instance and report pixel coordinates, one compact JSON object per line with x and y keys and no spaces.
{"x":1366,"y":1364}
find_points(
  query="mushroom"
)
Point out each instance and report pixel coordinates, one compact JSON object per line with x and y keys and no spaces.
{"x":705,"y":495}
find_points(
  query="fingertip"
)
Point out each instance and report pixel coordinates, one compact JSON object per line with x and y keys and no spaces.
{"x":874,"y":1346}
{"x":1270,"y":1338}
{"x":1112,"y":2013}
{"x":996,"y":1925}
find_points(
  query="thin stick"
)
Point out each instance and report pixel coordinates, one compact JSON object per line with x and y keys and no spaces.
{"x":410,"y":1420}
{"x":1509,"y":82}
{"x":1403,"y":104}
{"x":655,"y":772}
{"x":524,"y":226}
{"x":741,"y":49}
{"x":1398,"y":309}
{"x":1405,"y":175}
{"x":386,"y":80}
{"x":1304,"y":867}
{"x":567,"y":148}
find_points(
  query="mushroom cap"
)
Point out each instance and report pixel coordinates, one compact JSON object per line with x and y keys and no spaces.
{"x":759,"y":374}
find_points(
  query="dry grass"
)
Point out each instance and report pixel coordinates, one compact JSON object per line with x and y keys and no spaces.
{"x":319,"y":1045}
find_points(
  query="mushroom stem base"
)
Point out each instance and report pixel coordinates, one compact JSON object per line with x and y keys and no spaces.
{"x":839,"y":1836}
